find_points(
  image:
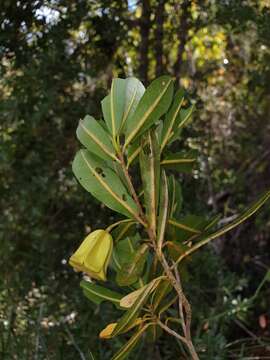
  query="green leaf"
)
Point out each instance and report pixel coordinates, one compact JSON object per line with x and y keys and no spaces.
{"x":129,"y":317}
{"x":128,"y":300}
{"x":102,"y":182}
{"x":92,"y":135}
{"x":182,"y":161}
{"x":129,"y":346}
{"x":134,"y":150}
{"x":205,"y":239}
{"x":150,"y":173}
{"x":98,"y":294}
{"x":185,"y":115}
{"x":134,"y":91}
{"x":189,"y":224}
{"x":123,"y":230}
{"x":132,"y":270}
{"x":163,"y":210}
{"x":124,"y":251}
{"x":154,"y":103}
{"x":175,"y":196}
{"x":171,"y":118}
{"x":162,"y":290}
{"x":113,"y":106}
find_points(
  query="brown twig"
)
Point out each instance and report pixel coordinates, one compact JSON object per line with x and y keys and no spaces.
{"x":178,"y":288}
{"x":171,"y":332}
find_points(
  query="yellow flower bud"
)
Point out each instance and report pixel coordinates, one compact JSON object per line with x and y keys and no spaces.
{"x":93,"y":255}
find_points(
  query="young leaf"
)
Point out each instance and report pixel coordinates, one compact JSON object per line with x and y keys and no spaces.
{"x":154,"y":103}
{"x":129,"y":317}
{"x":107,"y":332}
{"x":97,"y":178}
{"x":129,"y":346}
{"x":163,"y":210}
{"x":171,"y":118}
{"x":98,"y":294}
{"x":113,"y":106}
{"x":150,"y":173}
{"x":205,"y":239}
{"x":128,"y":300}
{"x":92,"y":135}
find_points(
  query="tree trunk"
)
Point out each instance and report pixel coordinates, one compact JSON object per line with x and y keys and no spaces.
{"x":184,"y":26}
{"x":145,"y":24}
{"x":159,"y":19}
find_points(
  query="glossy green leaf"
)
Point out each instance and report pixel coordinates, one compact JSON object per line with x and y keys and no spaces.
{"x":163,"y":210}
{"x":171,"y":118}
{"x":98,"y":294}
{"x":205,"y":239}
{"x":132,"y":270}
{"x":92,"y":135}
{"x":113,"y":106}
{"x":130,"y":345}
{"x":154,"y":103}
{"x":102,"y":182}
{"x":150,"y":173}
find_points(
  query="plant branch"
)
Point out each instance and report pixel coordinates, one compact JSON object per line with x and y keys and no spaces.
{"x":175,"y":281}
{"x":171,"y":332}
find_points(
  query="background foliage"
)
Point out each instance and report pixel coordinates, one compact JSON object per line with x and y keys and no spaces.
{"x":57,"y":61}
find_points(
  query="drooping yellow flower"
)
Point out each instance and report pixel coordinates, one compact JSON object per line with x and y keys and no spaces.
{"x":93,"y":255}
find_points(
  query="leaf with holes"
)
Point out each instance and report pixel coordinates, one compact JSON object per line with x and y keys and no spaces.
{"x":102,"y":182}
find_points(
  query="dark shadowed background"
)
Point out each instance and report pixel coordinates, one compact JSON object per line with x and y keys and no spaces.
{"x":57,"y":61}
